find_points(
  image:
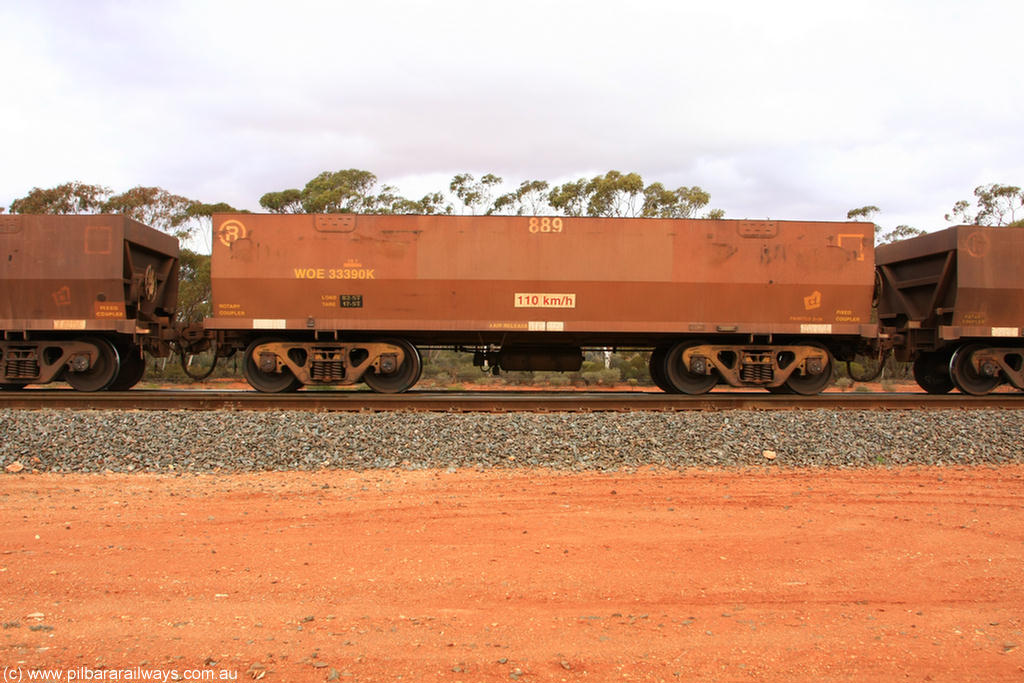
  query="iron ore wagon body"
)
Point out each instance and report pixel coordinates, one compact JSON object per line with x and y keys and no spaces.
{"x":344,"y":298}
{"x":954,"y":302}
{"x":81,"y":298}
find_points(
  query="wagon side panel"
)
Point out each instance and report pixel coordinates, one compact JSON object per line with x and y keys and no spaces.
{"x":527,"y":274}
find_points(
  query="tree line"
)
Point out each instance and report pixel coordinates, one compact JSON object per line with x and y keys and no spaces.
{"x":995,"y":205}
{"x":153,"y":206}
{"x":612,"y":194}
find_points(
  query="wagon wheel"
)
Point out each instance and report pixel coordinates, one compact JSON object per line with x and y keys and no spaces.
{"x":811,"y":385}
{"x":133,"y":367}
{"x":931,"y":371}
{"x":679,"y":376}
{"x":657,"y":368}
{"x":102,"y":373}
{"x":267,"y":382}
{"x":965,"y":377}
{"x":402,"y":377}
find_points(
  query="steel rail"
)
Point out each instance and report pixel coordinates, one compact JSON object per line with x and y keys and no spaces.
{"x":492,"y":401}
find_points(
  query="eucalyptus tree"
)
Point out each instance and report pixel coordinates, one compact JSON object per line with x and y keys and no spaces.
{"x":475,"y":194}
{"x":995,"y":205}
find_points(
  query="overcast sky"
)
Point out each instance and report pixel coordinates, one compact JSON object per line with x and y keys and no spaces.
{"x":779,"y":109}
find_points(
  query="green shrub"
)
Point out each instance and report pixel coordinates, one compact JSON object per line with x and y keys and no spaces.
{"x":602,"y":377}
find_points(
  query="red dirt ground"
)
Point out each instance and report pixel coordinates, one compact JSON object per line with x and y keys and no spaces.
{"x":867,"y":575}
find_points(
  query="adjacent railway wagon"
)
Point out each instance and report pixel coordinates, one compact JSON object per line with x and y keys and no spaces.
{"x":342,"y":298}
{"x":954,"y":302}
{"x":81,"y":298}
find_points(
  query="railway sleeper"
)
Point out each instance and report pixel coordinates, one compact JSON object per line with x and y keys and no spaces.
{"x":804,"y":368}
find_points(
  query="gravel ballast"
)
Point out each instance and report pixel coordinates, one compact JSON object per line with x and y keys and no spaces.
{"x":129,"y":441}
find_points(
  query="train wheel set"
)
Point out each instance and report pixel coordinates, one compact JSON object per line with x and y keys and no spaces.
{"x":90,"y":363}
{"x":973,"y":368}
{"x":695,"y":367}
{"x":275,"y":365}
{"x":978,"y":369}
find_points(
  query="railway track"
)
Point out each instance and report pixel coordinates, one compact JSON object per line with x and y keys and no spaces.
{"x":492,"y":402}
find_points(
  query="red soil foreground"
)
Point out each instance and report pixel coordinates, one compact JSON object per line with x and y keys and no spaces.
{"x":867,"y":575}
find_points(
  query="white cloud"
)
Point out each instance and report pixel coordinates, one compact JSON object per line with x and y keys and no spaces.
{"x":791,"y":109}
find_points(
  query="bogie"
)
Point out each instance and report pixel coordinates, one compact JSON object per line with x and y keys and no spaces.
{"x":276,"y":365}
{"x":694,"y":367}
{"x":973,"y":370}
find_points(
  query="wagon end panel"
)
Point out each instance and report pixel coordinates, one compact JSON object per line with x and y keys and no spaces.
{"x":964,"y":281}
{"x":62,"y":271}
{"x":151,"y":263}
{"x":918,"y":280}
{"x":990,"y":295}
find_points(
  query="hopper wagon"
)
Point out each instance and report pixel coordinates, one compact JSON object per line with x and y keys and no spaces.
{"x":953,"y":302}
{"x":81,"y":298}
{"x":345,"y":298}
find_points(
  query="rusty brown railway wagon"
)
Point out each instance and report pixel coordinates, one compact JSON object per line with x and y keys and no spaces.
{"x":81,"y":298}
{"x":342,"y":298}
{"x":953,"y":301}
